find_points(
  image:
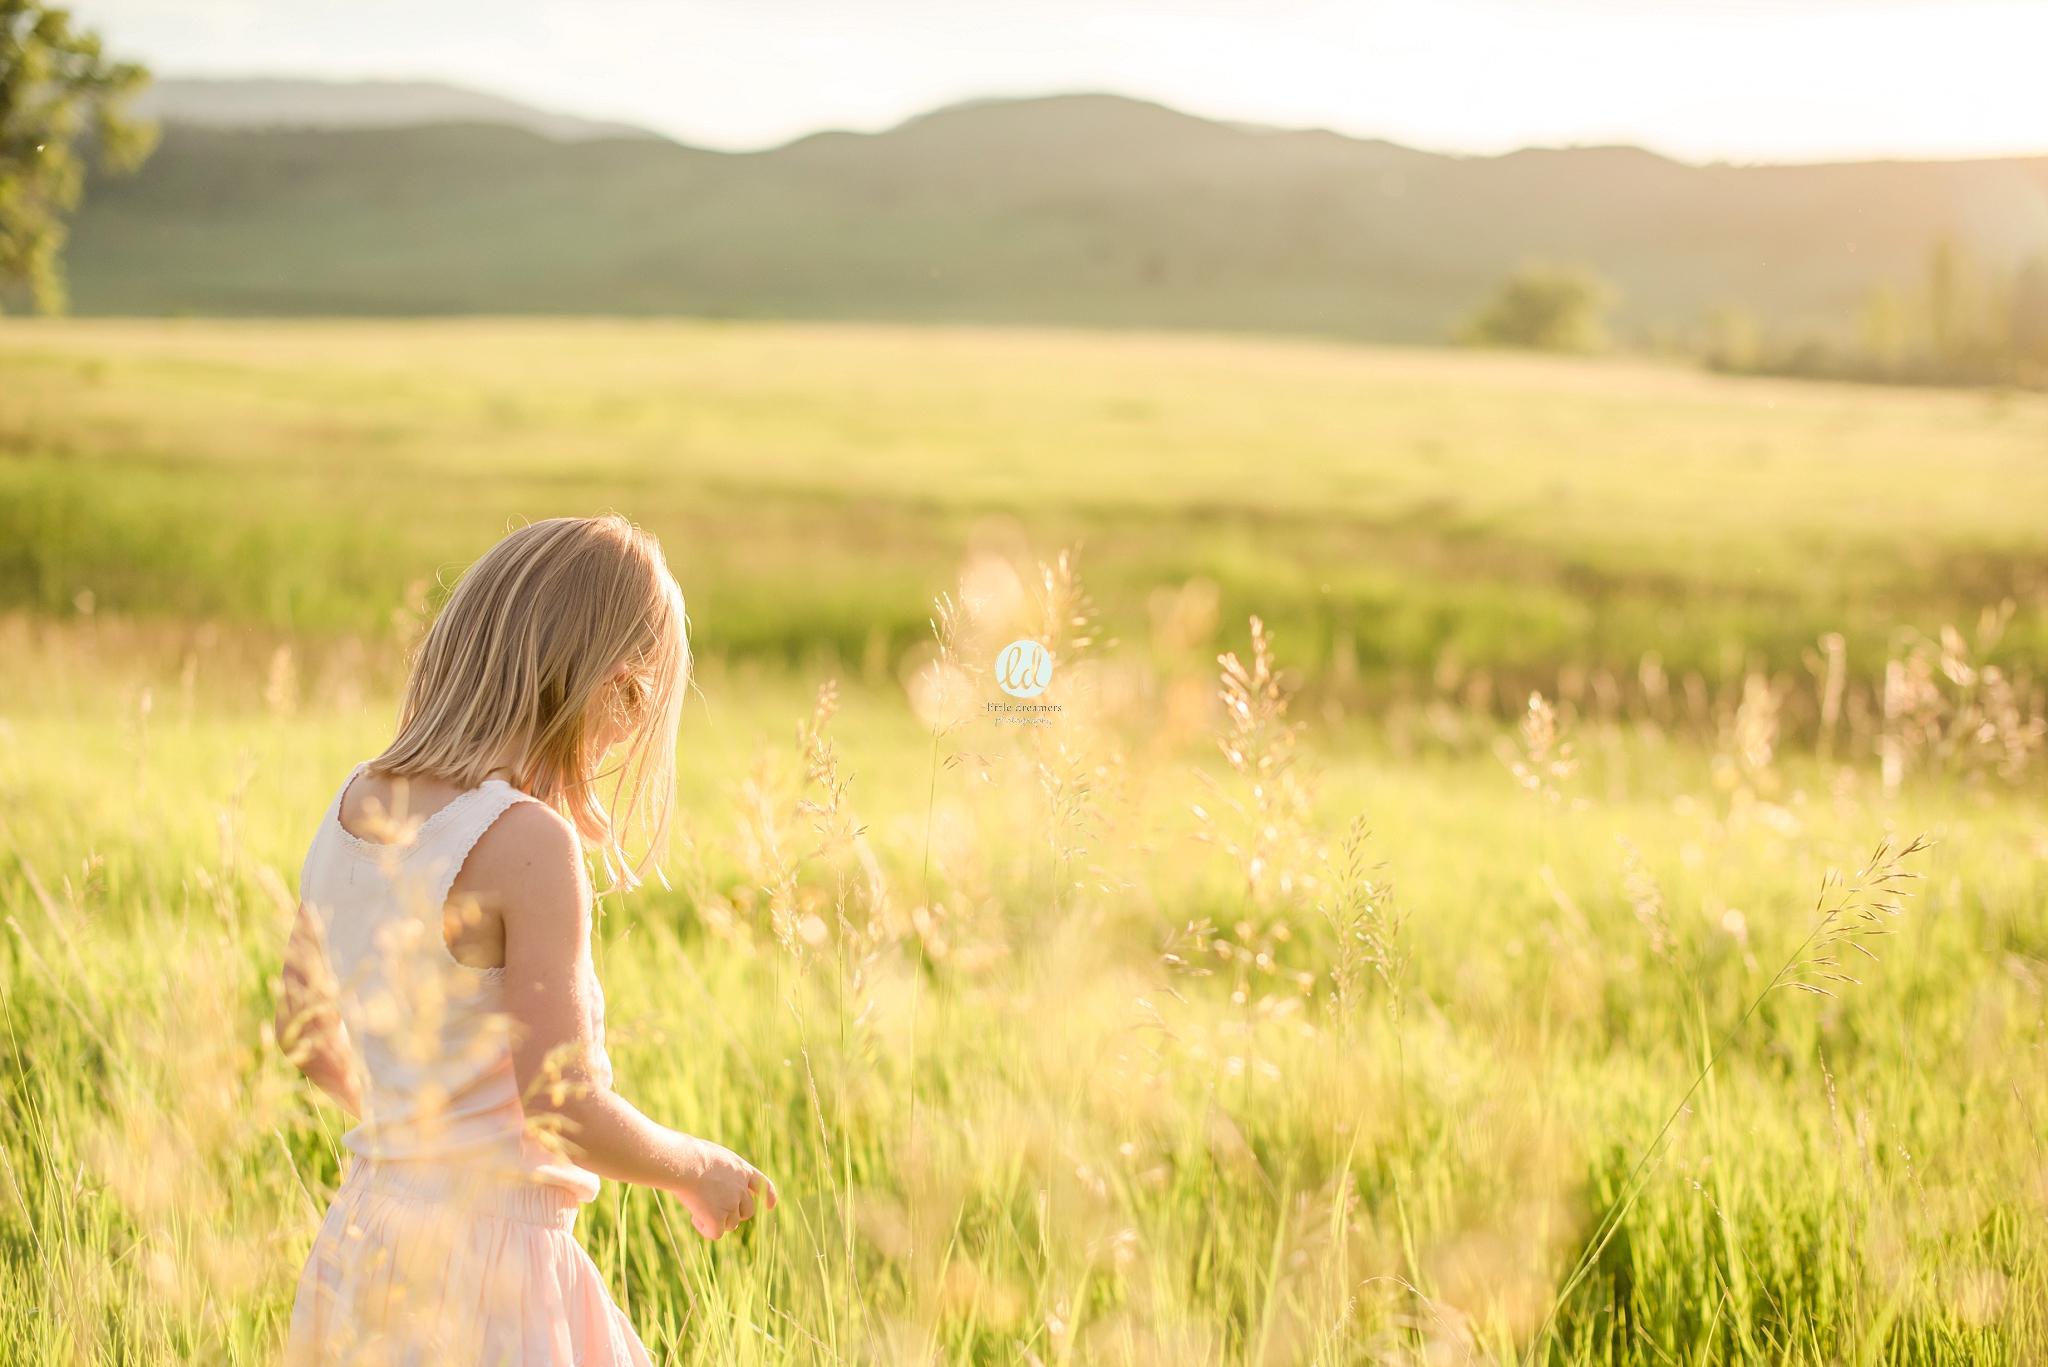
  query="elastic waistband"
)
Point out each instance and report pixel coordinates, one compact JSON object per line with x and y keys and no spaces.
{"x":481,"y":1193}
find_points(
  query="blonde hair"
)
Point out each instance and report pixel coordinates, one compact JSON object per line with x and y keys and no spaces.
{"x":518,"y":659}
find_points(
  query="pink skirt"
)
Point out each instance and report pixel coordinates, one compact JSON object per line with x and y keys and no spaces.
{"x":421,"y":1264}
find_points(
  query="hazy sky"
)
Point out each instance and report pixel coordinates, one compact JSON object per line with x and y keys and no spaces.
{"x":1701,"y":79}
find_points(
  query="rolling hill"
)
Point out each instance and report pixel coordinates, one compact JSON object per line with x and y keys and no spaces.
{"x":271,"y":103}
{"x":1083,"y":209}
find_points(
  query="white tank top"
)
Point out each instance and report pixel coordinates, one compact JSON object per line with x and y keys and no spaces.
{"x":430,"y":1036}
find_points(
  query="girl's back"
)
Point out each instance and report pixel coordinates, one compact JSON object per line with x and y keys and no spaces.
{"x":430,"y":1032}
{"x":439,"y":987}
{"x":450,"y":1240}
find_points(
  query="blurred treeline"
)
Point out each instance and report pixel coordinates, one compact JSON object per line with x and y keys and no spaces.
{"x":1961,"y":322}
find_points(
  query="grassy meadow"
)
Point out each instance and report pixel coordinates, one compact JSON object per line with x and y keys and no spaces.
{"x":1379,"y":1032}
{"x":817,"y":485}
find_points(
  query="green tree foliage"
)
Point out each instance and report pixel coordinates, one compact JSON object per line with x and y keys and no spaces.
{"x":57,"y":90}
{"x":1544,"y":308}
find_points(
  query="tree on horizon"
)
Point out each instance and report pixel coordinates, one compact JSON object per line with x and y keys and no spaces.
{"x":1544,"y":308}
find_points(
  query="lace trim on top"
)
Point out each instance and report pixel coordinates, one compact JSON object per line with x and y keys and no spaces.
{"x":496,"y":973}
{"x":511,"y":797}
{"x":419,"y":832}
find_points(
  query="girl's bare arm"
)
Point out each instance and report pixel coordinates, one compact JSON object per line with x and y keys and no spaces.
{"x":308,"y":1025}
{"x":531,"y":859}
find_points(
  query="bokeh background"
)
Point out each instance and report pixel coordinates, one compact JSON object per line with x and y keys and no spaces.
{"x":1536,"y":508}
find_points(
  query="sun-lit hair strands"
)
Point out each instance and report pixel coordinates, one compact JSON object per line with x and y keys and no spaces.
{"x":518,"y":664}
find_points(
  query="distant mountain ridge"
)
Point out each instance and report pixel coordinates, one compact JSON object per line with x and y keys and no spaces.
{"x":285,"y":103}
{"x":1084,"y":210}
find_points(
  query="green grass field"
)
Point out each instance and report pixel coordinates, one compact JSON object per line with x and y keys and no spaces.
{"x":816,"y":485}
{"x":1050,"y":1066}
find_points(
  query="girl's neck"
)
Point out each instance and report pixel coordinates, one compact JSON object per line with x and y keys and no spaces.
{"x":506,"y":764}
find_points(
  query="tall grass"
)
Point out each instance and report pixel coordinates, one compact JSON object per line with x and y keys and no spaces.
{"x":1174,"y":1030}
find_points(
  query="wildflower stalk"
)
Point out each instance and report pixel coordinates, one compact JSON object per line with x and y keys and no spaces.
{"x":776,"y":853}
{"x":1857,"y":910}
{"x":948,"y":626}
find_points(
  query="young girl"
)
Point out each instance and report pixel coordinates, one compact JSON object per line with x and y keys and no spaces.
{"x":438,"y":984}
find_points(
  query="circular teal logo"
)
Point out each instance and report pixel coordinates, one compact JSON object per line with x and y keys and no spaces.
{"x":1024,"y":669}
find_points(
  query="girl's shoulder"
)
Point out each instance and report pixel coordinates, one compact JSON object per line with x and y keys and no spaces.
{"x":527,"y":821}
{"x":529,"y":855}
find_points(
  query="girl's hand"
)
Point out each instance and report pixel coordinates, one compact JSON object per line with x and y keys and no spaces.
{"x":723,"y":1192}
